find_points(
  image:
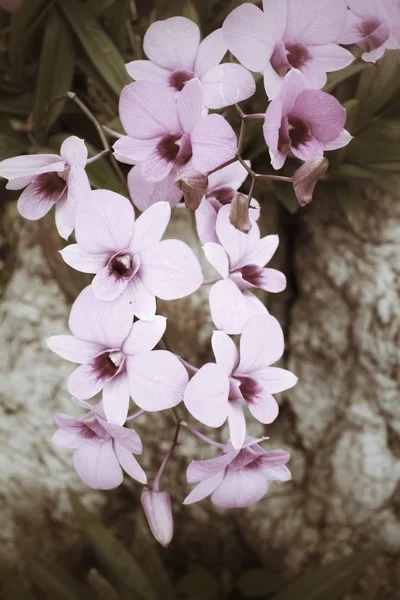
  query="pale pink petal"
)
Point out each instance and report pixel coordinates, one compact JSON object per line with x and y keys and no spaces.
{"x":225,"y":352}
{"x":190,"y":105}
{"x":263,"y":407}
{"x":107,"y":286}
{"x":19,"y":182}
{"x":277,"y":380}
{"x":231,"y":176}
{"x":144,"y":335}
{"x":204,"y":488}
{"x":70,"y":348}
{"x":206,"y":220}
{"x":280,"y":473}
{"x":172,"y":43}
{"x":276,"y":14}
{"x":374,"y":55}
{"x":148,"y":110}
{"x":198,"y":470}
{"x":74,"y":151}
{"x":36,"y":201}
{"x":29,"y":165}
{"x":64,"y":439}
{"x":131,"y":150}
{"x":261,"y":344}
{"x":254,"y":305}
{"x":83,"y":261}
{"x":143,"y":302}
{"x":146,"y":70}
{"x":157,"y":380}
{"x":98,"y":466}
{"x":331,"y":57}
{"x":273,"y":82}
{"x":228,"y":306}
{"x":116,"y":399}
{"x":206,"y":395}
{"x":264,"y":251}
{"x":366,"y":8}
{"x":145,"y":193}
{"x":84,"y":382}
{"x":227,"y":84}
{"x":309,"y":150}
{"x":240,"y":489}
{"x":213,"y":143}
{"x":272,"y":125}
{"x":169,"y":269}
{"x":106,"y":323}
{"x":237,"y":423}
{"x":210,"y":52}
{"x":271,"y":280}
{"x":104,"y":222}
{"x":156,"y":166}
{"x":65,"y":216}
{"x":237,"y":244}
{"x":245,"y":32}
{"x":218,"y":258}
{"x":150,"y":227}
{"x":340,"y":141}
{"x":128,"y":438}
{"x":314,"y":22}
{"x":313,"y":74}
{"x":324,"y":115}
{"x":129,"y":463}
{"x":77,"y":192}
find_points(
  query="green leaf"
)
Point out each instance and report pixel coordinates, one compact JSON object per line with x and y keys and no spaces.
{"x":56,"y":583}
{"x":19,"y":106}
{"x":110,"y":104}
{"x":200,"y":584}
{"x":190,"y":12}
{"x":334,"y":79}
{"x":351,"y":106}
{"x":379,"y":83}
{"x":24,"y":22}
{"x":380,"y":142}
{"x":127,"y":576}
{"x":257,"y":583}
{"x":13,"y":588}
{"x":12,"y":143}
{"x":329,"y":582}
{"x":56,"y":71}
{"x":286,"y":196}
{"x":117,"y":18}
{"x":97,"y":8}
{"x":100,"y":49}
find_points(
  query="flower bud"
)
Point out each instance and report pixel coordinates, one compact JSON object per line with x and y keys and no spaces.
{"x":306,"y":177}
{"x":158,"y":511}
{"x":239,"y":215}
{"x":194,"y":185}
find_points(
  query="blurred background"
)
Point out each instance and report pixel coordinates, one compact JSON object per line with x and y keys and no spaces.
{"x":331,"y":533}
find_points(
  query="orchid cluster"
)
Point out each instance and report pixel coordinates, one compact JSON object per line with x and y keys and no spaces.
{"x":183,"y":155}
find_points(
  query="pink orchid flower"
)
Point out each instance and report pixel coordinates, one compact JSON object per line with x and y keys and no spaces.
{"x":117,"y":357}
{"x":303,"y":122}
{"x":128,"y":256}
{"x":166,"y":134}
{"x":177,"y":56}
{"x":290,"y":35}
{"x":222,"y":186}
{"x":50,"y":179}
{"x":374,"y":26}
{"x":240,"y":258}
{"x":101,"y":449}
{"x":218,"y":391}
{"x":146,"y":193}
{"x":237,"y":478}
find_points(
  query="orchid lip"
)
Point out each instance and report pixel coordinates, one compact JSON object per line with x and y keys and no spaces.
{"x":375,"y":33}
{"x":124,"y":265}
{"x":179,"y":78}
{"x":288,"y":56}
{"x":109,"y":363}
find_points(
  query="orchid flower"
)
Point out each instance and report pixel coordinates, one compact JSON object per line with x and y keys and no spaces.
{"x":50,"y":180}
{"x":289,"y":35}
{"x":117,"y":358}
{"x":101,"y":449}
{"x":128,"y":256}
{"x":167,"y":135}
{"x":177,"y":56}
{"x":240,"y":258}
{"x":219,"y":390}
{"x":237,"y":478}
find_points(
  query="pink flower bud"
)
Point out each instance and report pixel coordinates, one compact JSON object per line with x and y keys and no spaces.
{"x":158,"y":511}
{"x":306,"y":177}
{"x":239,"y":215}
{"x":193,"y":184}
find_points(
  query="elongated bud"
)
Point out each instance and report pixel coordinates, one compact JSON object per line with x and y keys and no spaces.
{"x":194,"y":185}
{"x":239,"y":215}
{"x":306,"y":177}
{"x":158,"y":511}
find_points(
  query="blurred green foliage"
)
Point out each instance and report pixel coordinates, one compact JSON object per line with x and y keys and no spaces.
{"x":117,"y":574}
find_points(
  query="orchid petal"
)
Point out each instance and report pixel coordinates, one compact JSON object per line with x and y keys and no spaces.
{"x":240,"y":489}
{"x":144,"y":335}
{"x":98,"y":466}
{"x":206,"y":395}
{"x":147,"y":71}
{"x":172,"y":43}
{"x":315,"y":22}
{"x":204,"y":488}
{"x":206,"y":220}
{"x":150,"y":227}
{"x":237,"y":244}
{"x":74,"y":151}
{"x":72,"y":349}
{"x":146,"y":193}
{"x":229,"y":309}
{"x":210,"y":52}
{"x":261,"y":344}
{"x":190,"y":105}
{"x":227,"y":84}
{"x":225,"y":352}
{"x":213,"y":143}
{"x":218,"y":258}
{"x":83,"y":261}
{"x":129,"y":463}
{"x":143,"y":302}
{"x":131,"y":150}
{"x":237,"y":423}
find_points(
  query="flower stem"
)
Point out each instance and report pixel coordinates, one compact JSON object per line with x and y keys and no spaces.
{"x":97,"y":156}
{"x":136,"y":415}
{"x":211,"y":281}
{"x":111,"y":132}
{"x":157,"y":480}
{"x":201,"y":436}
{"x":188,"y":365}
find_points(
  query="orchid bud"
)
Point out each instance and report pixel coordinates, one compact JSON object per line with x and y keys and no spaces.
{"x":306,"y":178}
{"x":239,"y":215}
{"x":194,"y":185}
{"x":158,"y":511}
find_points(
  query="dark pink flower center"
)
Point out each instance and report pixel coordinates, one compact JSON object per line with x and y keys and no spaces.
{"x":122,"y":265}
{"x":375,"y":33}
{"x":175,"y":147}
{"x":50,"y":186}
{"x":178,"y":78}
{"x":108,"y":363}
{"x":293,"y":133}
{"x":249,"y":387}
{"x":289,"y":55}
{"x":253,"y":274}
